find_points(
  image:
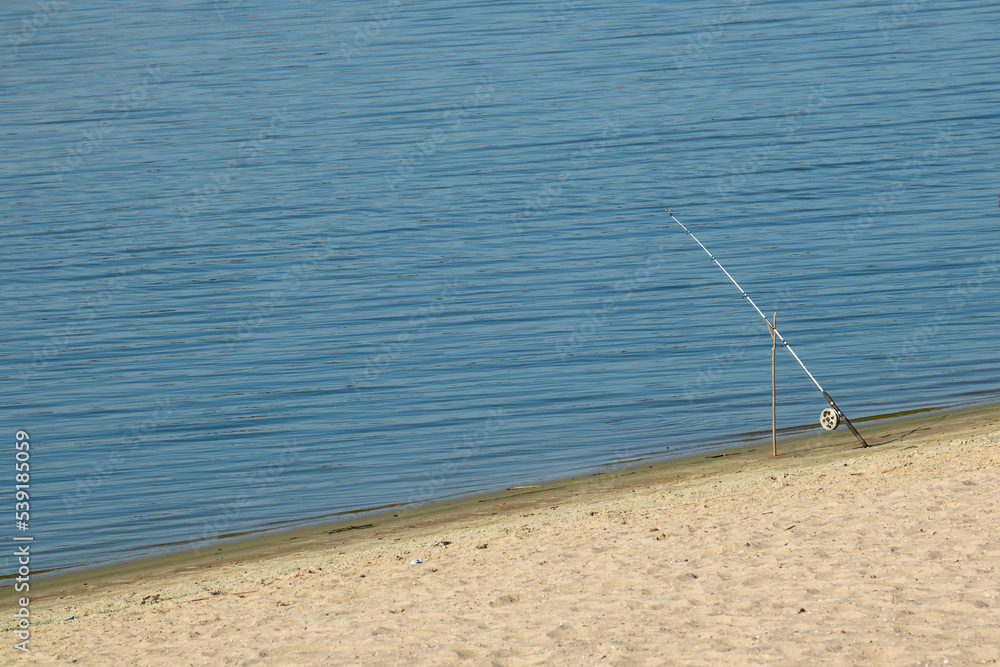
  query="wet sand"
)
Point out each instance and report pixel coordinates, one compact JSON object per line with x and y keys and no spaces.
{"x":827,"y":554}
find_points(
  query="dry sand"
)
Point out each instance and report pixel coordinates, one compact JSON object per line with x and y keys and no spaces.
{"x":835,"y":556}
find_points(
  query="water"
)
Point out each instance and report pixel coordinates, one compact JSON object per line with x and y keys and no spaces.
{"x":265,"y":268}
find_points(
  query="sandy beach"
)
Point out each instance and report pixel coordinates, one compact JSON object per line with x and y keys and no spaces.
{"x":828,"y":555}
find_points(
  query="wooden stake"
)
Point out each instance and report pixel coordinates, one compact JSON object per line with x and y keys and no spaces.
{"x":774,"y":412}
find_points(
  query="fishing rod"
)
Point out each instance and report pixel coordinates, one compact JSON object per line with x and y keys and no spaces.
{"x":832,"y":416}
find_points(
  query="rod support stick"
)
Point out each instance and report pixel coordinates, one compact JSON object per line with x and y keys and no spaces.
{"x":774,"y":329}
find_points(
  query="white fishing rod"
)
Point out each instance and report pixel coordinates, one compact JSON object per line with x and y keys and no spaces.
{"x":830,"y":418}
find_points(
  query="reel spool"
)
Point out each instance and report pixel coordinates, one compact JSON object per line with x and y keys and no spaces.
{"x":829,"y":419}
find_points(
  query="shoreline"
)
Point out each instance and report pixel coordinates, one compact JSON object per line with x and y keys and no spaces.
{"x":879,"y":430}
{"x":727,"y":556}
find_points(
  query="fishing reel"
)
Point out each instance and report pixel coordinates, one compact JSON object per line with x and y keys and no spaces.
{"x":829,"y":419}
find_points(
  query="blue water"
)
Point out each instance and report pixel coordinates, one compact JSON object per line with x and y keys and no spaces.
{"x":267,"y":264}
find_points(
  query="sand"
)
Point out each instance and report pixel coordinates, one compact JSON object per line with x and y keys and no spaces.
{"x":836,"y":556}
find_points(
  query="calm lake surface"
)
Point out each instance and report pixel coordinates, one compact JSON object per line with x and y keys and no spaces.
{"x":269,"y":264}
